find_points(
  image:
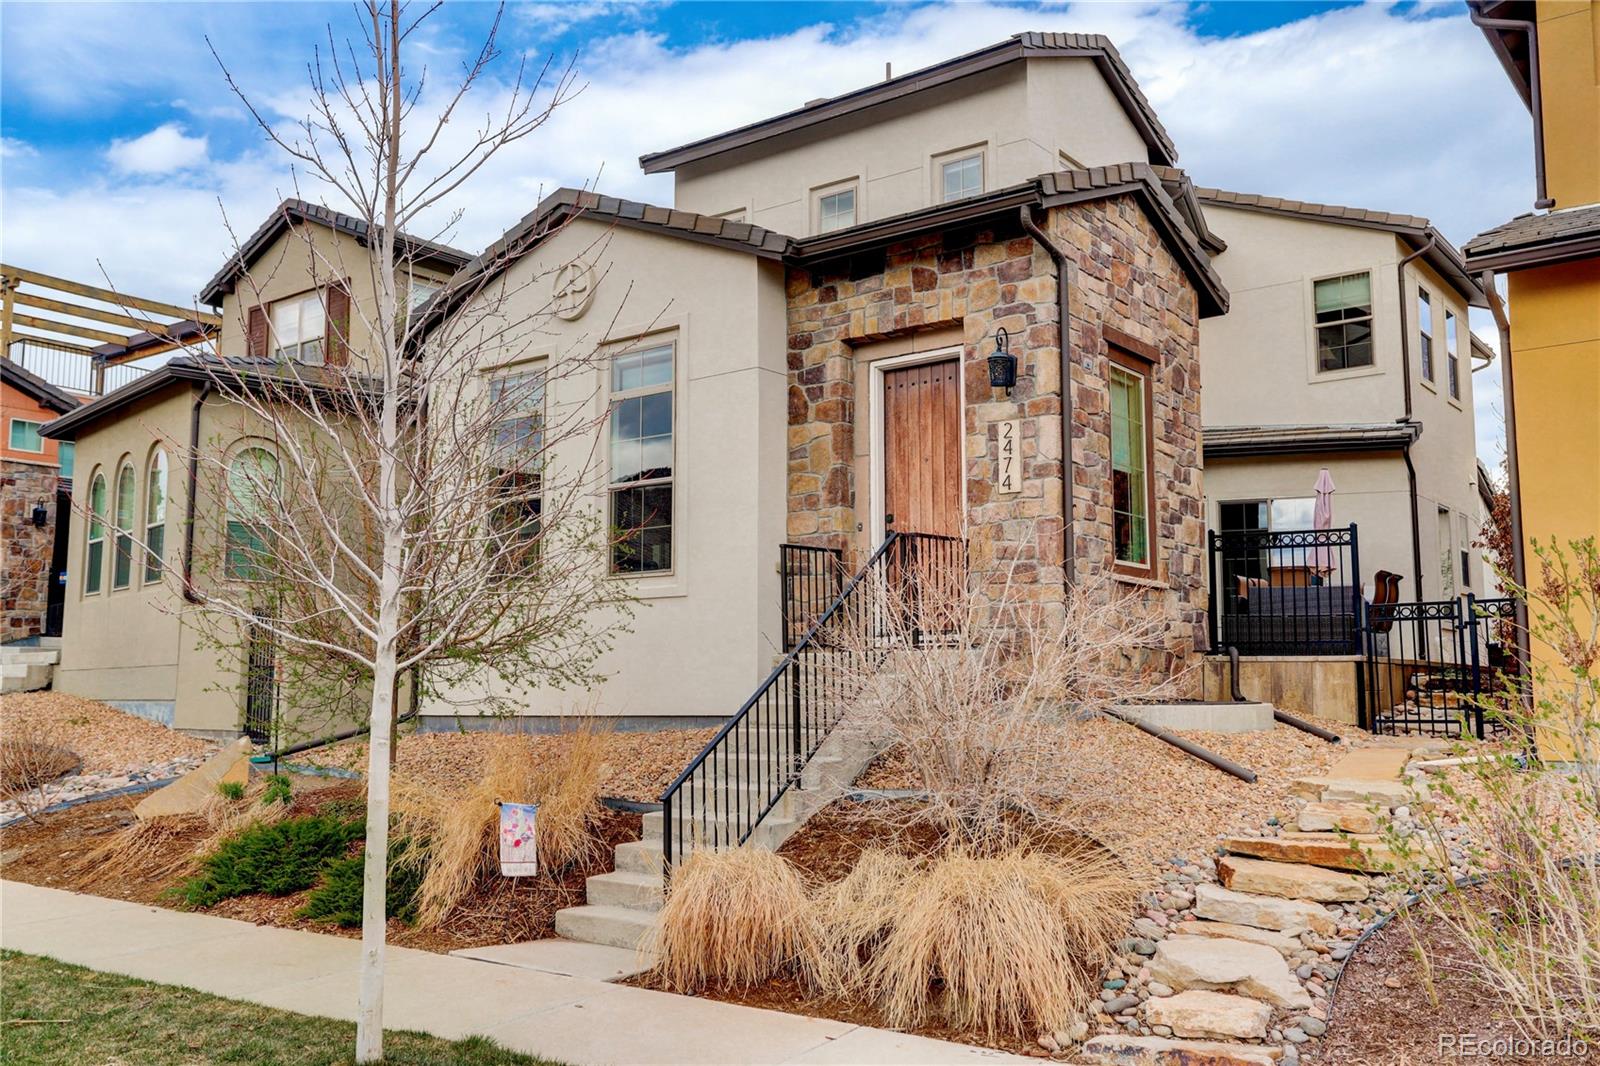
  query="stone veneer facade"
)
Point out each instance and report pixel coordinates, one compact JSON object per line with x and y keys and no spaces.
{"x":1122,"y":278}
{"x":24,"y":592}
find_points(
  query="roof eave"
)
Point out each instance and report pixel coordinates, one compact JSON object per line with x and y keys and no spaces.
{"x":1271,"y":446}
{"x":1530,"y":256}
{"x":70,"y":424}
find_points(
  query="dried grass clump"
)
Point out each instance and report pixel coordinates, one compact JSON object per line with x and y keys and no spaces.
{"x":156,"y":848}
{"x":733,"y":918}
{"x":567,"y":789}
{"x":854,"y":916}
{"x":1010,"y":942}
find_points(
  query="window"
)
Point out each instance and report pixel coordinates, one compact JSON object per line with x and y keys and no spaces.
{"x":961,"y":178}
{"x":1130,"y":466}
{"x":25,"y":436}
{"x":1344,"y":322}
{"x":1452,"y":356}
{"x":642,"y":460}
{"x":155,"y":516}
{"x":1447,"y":555}
{"x":419,"y":292}
{"x":298,"y":326}
{"x":736,"y":215}
{"x":94,"y":555}
{"x":252,"y":475}
{"x":1463,"y":547}
{"x":517,"y":404}
{"x":1425,"y":333}
{"x":836,"y":210}
{"x":122,"y":559}
{"x":66,"y":451}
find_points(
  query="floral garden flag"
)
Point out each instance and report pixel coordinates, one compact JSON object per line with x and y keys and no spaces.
{"x":519,"y":856}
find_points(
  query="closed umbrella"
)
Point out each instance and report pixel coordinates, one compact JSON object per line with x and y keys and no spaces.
{"x":1321,"y":557}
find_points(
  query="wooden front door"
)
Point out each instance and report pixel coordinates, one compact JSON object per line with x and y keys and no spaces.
{"x":922,"y":468}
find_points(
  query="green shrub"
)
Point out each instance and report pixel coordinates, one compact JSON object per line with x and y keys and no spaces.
{"x":274,"y":859}
{"x":231,"y":790}
{"x":277,"y":790}
{"x":338,"y":898}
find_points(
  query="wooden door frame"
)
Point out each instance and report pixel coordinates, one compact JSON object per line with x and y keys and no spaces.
{"x":875,"y":405}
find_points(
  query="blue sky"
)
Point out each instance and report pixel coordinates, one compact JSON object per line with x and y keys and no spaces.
{"x":124,"y":152}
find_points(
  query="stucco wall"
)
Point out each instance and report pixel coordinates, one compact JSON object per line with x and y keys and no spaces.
{"x":1569,"y":68}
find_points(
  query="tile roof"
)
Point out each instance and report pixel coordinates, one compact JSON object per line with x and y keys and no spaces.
{"x":1536,"y":240}
{"x":25,"y":381}
{"x":1221,"y":442}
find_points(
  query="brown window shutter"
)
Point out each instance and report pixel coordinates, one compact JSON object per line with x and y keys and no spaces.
{"x":338,"y":325}
{"x":256,"y":335}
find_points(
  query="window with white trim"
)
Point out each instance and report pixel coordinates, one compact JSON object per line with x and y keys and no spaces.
{"x":1343,"y":308}
{"x":642,"y":457}
{"x":1452,"y":356}
{"x":94,"y":553}
{"x":420,"y":291}
{"x":1425,"y":333}
{"x":516,"y":403}
{"x":299,"y":325}
{"x":122,"y":557}
{"x":25,"y":436}
{"x":836,"y":210}
{"x":961,"y":178}
{"x":155,"y":516}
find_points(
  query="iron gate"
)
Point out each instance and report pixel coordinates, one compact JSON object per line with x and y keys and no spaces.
{"x":1437,"y":667}
{"x":260,"y":682}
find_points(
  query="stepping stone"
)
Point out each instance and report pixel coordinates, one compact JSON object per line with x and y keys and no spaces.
{"x":1290,"y":916}
{"x":1213,"y":1015}
{"x":189,"y":793}
{"x":1365,"y":853}
{"x":1385,"y":794}
{"x":1117,"y":1050}
{"x":1216,"y":965}
{"x":1371,"y":764}
{"x":1282,"y":943}
{"x":1290,"y":880}
{"x":1321,"y":817}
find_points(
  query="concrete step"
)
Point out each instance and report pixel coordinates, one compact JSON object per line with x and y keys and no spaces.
{"x":618,"y":927}
{"x":644,"y":892}
{"x":639,"y":857}
{"x":25,"y":677}
{"x":28,"y":655}
{"x":772,"y":831}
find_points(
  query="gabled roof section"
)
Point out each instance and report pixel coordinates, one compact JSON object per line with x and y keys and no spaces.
{"x":1538,"y":240}
{"x":1014,"y":49}
{"x":286,"y":214}
{"x":1414,"y":229}
{"x":32,"y":385}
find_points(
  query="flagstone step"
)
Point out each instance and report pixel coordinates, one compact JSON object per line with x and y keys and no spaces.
{"x":618,"y":927}
{"x":1385,"y":794}
{"x":640,"y":891}
{"x":1290,"y":880}
{"x":1319,"y":817}
{"x":1118,"y":1050}
{"x":1220,"y":965}
{"x":1364,"y":852}
{"x":1210,"y":1015}
{"x":1288,"y":916}
{"x":1284,"y":944}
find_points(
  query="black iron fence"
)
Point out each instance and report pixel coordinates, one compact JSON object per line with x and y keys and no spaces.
{"x":809,"y":580}
{"x":1296,"y":592}
{"x":759,"y":753}
{"x":1438,"y":667}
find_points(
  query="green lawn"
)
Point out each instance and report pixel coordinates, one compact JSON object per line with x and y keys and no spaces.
{"x":59,"y":1015}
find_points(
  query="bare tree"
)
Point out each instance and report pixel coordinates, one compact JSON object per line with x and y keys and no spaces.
{"x":399,"y":510}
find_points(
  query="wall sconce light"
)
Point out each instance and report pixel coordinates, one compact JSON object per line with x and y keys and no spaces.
{"x":41,"y":515}
{"x":1002,"y":364}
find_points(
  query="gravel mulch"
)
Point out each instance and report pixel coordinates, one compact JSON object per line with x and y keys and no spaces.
{"x":638,"y":765}
{"x":106,"y":739}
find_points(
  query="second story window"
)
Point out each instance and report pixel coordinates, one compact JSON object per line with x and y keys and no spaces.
{"x":1344,"y":322}
{"x":836,"y":210}
{"x":420,"y":292}
{"x":1131,"y":487}
{"x":961,"y":178}
{"x":1452,"y":356}
{"x":1425,"y":333}
{"x":298,"y":327}
{"x":25,"y":436}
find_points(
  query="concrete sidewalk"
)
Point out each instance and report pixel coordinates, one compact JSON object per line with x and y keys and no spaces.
{"x":568,"y":1019}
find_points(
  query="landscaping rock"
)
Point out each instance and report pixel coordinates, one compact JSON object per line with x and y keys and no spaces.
{"x":1364,"y":853}
{"x":1213,"y":1015}
{"x":194,"y":789}
{"x":1290,"y":880}
{"x":1285,"y":945}
{"x":1118,"y":1050}
{"x":1325,"y":817}
{"x":1385,"y":794}
{"x":1284,"y":915}
{"x":1228,"y":965}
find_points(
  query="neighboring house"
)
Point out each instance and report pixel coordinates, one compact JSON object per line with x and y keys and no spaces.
{"x":299,"y":290}
{"x":35,"y":504}
{"x":798,"y":352}
{"x":1347,"y":348}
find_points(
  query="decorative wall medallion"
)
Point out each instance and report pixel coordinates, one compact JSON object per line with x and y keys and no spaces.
{"x":574,"y":290}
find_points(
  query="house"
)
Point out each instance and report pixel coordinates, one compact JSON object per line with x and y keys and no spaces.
{"x":35,"y":504}
{"x":1347,"y":349}
{"x":798,"y":352}
{"x":296,"y":290}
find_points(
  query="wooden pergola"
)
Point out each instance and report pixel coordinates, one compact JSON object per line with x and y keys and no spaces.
{"x":134,"y":337}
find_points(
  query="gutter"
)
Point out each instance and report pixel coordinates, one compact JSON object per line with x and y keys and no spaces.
{"x":1519,"y":563}
{"x":1535,"y":98}
{"x":1064,"y":322}
{"x":1405,"y":377}
{"x":189,"y":592}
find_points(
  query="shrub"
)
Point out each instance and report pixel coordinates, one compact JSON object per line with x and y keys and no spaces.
{"x":231,"y":790}
{"x":29,"y":763}
{"x":337,"y":898}
{"x":732,"y":918}
{"x":273,"y":859}
{"x":854,"y":914}
{"x":276,"y":790}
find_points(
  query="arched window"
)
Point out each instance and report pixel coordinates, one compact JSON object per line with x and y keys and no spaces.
{"x":155,"y":515}
{"x":122,"y":561}
{"x":94,"y":556}
{"x":252,"y":475}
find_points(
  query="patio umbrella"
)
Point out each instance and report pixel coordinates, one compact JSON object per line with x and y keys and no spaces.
{"x":1320,"y":561}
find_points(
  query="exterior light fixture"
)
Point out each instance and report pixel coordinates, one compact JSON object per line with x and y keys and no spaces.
{"x":1002,"y":364}
{"x":41,"y":516}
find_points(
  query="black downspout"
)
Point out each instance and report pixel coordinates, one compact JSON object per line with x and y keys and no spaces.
{"x":194,"y":481}
{"x":1064,"y":319}
{"x":1405,"y":376}
{"x":1519,"y":564}
{"x":1535,"y":96}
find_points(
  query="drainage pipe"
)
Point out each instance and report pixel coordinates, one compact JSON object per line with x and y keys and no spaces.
{"x":1302,"y":724}
{"x":189,"y":593}
{"x":1235,"y":689}
{"x":1519,"y":562}
{"x":332,"y":738}
{"x":1535,"y":102}
{"x":1405,"y":377}
{"x":1064,"y":323}
{"x":1189,"y":747}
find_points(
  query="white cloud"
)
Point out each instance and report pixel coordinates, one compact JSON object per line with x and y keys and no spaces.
{"x":163,"y":150}
{"x":12,"y":148}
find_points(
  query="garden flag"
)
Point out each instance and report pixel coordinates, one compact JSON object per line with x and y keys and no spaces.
{"x":519,"y":856}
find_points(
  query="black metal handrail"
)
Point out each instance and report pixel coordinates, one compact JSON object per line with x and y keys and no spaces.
{"x":809,"y":580}
{"x":1289,"y":592}
{"x":759,"y":753}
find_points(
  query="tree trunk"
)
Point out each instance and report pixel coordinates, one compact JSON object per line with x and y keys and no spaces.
{"x":375,"y":865}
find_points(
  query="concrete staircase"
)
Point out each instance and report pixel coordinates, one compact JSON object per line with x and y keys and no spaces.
{"x":29,"y":667}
